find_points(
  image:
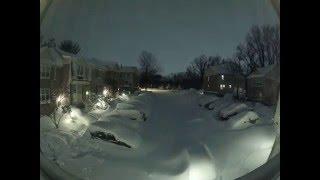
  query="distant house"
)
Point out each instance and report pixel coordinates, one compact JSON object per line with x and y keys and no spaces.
{"x":112,"y":75}
{"x":54,"y":78}
{"x":264,"y":85}
{"x":128,"y":76}
{"x":219,"y":79}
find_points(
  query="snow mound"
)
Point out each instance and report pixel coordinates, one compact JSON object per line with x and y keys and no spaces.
{"x":129,"y":113}
{"x":128,"y":135}
{"x":243,"y":120}
{"x":232,"y":109}
{"x":55,"y":143}
{"x":124,"y":106}
{"x":46,"y":123}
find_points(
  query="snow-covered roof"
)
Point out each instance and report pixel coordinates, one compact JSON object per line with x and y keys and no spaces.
{"x":271,"y":71}
{"x":51,"y":56}
{"x":218,"y":69}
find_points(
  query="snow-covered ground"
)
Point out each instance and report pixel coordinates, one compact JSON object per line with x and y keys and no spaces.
{"x":178,"y":140}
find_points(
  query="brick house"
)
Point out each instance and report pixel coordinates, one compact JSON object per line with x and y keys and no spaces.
{"x":264,"y":85}
{"x":219,"y":79}
{"x":54,"y":78}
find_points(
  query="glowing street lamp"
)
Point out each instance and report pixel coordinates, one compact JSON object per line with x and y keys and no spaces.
{"x":60,"y":99}
{"x":105,"y":92}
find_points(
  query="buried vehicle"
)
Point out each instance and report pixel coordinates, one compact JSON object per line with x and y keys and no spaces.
{"x":108,"y":137}
{"x":233,"y":109}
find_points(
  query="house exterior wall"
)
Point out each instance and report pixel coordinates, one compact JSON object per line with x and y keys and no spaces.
{"x":80,"y":83}
{"x":212,"y":83}
{"x":58,"y":83}
{"x":271,"y":91}
{"x":98,"y":81}
{"x":265,"y":89}
{"x":255,"y":88}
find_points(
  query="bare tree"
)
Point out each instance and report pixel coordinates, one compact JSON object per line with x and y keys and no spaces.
{"x":198,"y":66}
{"x":70,"y":46}
{"x":214,"y":60}
{"x":264,"y":44}
{"x":149,"y":67}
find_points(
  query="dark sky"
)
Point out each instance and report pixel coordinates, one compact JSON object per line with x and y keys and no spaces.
{"x":175,"y":31}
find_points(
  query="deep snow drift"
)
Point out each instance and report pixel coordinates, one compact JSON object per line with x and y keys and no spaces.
{"x":178,"y":140}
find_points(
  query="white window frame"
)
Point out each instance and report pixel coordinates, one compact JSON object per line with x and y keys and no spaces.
{"x":45,"y":71}
{"x":45,"y":96}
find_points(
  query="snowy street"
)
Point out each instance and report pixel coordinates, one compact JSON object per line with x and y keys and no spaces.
{"x":179,"y":140}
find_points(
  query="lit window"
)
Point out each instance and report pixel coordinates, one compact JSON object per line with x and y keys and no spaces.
{"x":222,"y":77}
{"x":222,"y":86}
{"x":44,"y":95}
{"x":230,"y":86}
{"x":44,"y":71}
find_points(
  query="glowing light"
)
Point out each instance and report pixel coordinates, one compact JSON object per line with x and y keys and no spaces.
{"x":60,"y":99}
{"x":230,"y":86}
{"x":222,"y":77}
{"x":201,"y":169}
{"x":105,"y":92}
{"x":87,"y":93}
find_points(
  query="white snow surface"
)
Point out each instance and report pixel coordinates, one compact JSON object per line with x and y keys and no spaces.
{"x":179,"y":140}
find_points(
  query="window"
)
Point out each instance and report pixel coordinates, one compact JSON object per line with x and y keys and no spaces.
{"x":259,"y":83}
{"x":230,"y":86}
{"x":222,"y":86}
{"x":222,"y":77}
{"x":44,"y":95}
{"x":44,"y":71}
{"x":208,"y":78}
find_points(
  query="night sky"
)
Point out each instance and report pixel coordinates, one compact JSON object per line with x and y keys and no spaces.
{"x":175,"y":31}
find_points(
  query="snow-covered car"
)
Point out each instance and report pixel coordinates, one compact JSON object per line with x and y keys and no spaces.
{"x":205,"y":101}
{"x":233,"y":109}
{"x":243,"y":120}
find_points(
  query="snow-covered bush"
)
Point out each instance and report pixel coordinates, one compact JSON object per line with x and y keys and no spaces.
{"x":243,"y":120}
{"x":60,"y":111}
{"x":232,"y":109}
{"x":98,"y":101}
{"x":123,"y":97}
